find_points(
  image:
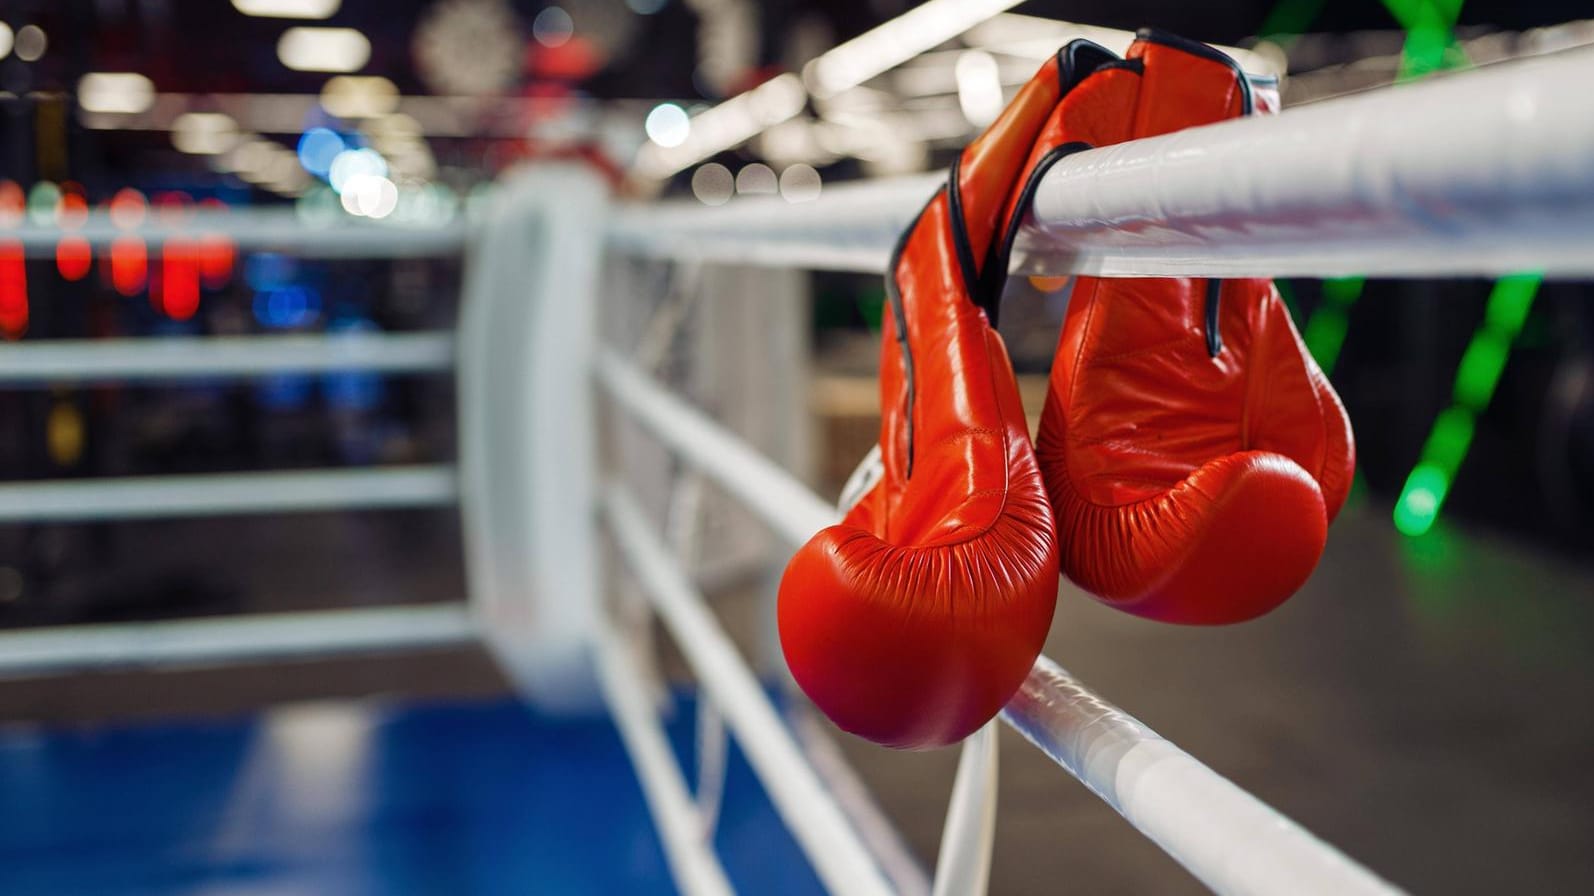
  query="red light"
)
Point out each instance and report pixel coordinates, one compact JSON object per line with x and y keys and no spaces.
{"x":216,"y":257}
{"x":171,"y":206}
{"x":129,"y":265}
{"x":127,"y":208}
{"x":13,"y":290}
{"x":215,"y":253}
{"x":72,"y":212}
{"x":178,"y":293}
{"x":12,"y":204}
{"x":73,"y":257}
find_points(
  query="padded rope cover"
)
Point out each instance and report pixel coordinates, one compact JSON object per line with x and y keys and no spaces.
{"x":1193,"y":451}
{"x":913,"y":621}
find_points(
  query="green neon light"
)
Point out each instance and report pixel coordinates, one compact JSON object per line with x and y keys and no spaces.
{"x":1447,"y":445}
{"x":1419,"y":503}
{"x":1430,"y":35}
{"x":1477,"y":376}
{"x":1325,"y":336}
{"x":1511,"y":301}
{"x":1480,"y":368}
{"x":1326,"y":328}
{"x":1343,"y":291}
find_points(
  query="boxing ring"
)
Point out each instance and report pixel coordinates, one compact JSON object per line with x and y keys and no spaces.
{"x":1487,"y":172}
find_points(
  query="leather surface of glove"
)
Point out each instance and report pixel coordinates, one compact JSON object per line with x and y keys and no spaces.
{"x":913,"y":621}
{"x":1193,"y":452}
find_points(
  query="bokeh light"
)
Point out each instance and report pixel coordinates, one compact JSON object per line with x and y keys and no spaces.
{"x":352,"y":163}
{"x":553,"y":27}
{"x":72,"y":211}
{"x":318,"y":147}
{"x":128,"y":208}
{"x":800,"y":183}
{"x":179,"y":282}
{"x":756,"y":179}
{"x":129,"y":265}
{"x":13,"y":290}
{"x":43,"y":200}
{"x":30,"y":43}
{"x":74,"y":258}
{"x":13,"y":204}
{"x":286,"y":307}
{"x":370,"y":195}
{"x":668,"y":125}
{"x":713,"y":184}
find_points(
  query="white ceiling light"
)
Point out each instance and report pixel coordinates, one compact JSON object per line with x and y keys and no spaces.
{"x":288,"y":9}
{"x":30,"y":43}
{"x":204,"y":133}
{"x":289,"y":180}
{"x":254,"y":160}
{"x":756,"y":178}
{"x":6,"y":40}
{"x":306,"y":49}
{"x":350,"y":201}
{"x":667,"y":125}
{"x":124,"y":92}
{"x":553,"y":27}
{"x":356,"y":96}
{"x":282,"y":167}
{"x":469,"y":46}
{"x":352,"y":163}
{"x":737,"y":119}
{"x":374,"y":195}
{"x":713,"y":184}
{"x":800,"y":183}
{"x":397,"y":126}
{"x":897,"y":41}
{"x":838,"y":70}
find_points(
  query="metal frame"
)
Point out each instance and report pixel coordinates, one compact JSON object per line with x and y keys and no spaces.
{"x":266,"y":230}
{"x":89,"y":360}
{"x":256,"y":637}
{"x":213,"y":494}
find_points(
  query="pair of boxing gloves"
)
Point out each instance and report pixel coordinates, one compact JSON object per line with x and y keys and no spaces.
{"x":1190,"y":453}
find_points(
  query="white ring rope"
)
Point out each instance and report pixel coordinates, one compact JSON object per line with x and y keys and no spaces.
{"x":1484,"y":172}
{"x":1226,"y":837}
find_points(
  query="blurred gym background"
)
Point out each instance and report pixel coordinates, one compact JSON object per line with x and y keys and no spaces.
{"x":1424,"y":703}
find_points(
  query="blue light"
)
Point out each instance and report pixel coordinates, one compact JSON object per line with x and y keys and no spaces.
{"x":351,"y":390}
{"x":317,"y":148}
{"x":284,"y":392}
{"x":269,"y":270}
{"x":287,"y":306}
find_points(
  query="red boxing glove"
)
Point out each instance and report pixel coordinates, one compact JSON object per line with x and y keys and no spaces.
{"x":917,"y":618}
{"x":1193,"y":451}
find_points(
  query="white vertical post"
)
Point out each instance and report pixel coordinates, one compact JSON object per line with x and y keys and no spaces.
{"x":963,"y":866}
{"x":527,"y":447}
